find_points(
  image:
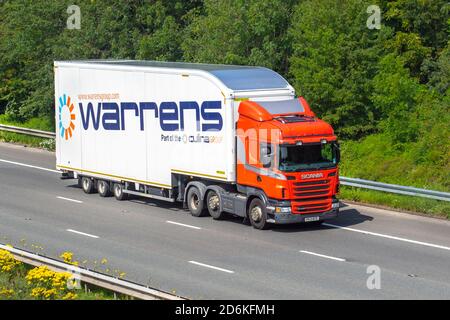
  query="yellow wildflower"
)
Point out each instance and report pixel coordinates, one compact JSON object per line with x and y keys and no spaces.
{"x":7,"y":261}
{"x":68,"y":258}
{"x":6,"y":292}
{"x":48,"y":284}
{"x":70,"y":296}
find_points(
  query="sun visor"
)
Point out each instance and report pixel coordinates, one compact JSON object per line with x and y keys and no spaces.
{"x":282,"y":106}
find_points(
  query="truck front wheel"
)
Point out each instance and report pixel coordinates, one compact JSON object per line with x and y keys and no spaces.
{"x":257,"y":214}
{"x":195,"y":203}
{"x":88,"y":185}
{"x":118,"y":192}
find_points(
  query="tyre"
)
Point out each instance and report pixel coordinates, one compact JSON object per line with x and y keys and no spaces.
{"x":195,"y":203}
{"x":103,"y":188}
{"x":87,"y":184}
{"x":118,"y":192}
{"x":257,"y":214}
{"x":213,"y":205}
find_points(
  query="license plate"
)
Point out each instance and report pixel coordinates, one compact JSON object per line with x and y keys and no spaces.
{"x":309,"y":219}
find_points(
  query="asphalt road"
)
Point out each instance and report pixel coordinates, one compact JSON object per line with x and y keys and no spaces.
{"x":163,"y":246}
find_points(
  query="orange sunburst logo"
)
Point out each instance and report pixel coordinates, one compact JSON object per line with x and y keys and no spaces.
{"x":66,"y":117}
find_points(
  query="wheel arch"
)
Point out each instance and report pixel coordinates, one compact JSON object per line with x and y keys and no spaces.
{"x":253,"y":193}
{"x":217,"y":189}
{"x":200,"y":186}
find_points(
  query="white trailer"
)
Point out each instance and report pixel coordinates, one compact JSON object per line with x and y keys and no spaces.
{"x":155,"y":128}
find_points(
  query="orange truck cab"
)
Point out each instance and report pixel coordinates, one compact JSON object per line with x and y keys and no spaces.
{"x":289,"y":158}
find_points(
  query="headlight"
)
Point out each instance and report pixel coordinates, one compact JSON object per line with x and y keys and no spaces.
{"x":283,"y":209}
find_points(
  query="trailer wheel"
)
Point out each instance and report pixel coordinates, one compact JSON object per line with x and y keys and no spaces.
{"x":195,"y":203}
{"x":103,"y":188}
{"x":213,"y":205}
{"x":118,"y":192}
{"x":88,"y":185}
{"x":257,"y":214}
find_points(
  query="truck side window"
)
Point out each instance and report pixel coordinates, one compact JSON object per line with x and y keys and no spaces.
{"x":266,"y":155}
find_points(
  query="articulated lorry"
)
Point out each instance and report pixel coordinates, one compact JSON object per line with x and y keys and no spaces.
{"x":220,"y":139}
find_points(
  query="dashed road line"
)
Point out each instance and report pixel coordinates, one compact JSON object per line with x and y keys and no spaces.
{"x":82,"y":233}
{"x":29,"y":166}
{"x":183,"y":225}
{"x":68,"y":199}
{"x":211,"y":267}
{"x":323,"y":256}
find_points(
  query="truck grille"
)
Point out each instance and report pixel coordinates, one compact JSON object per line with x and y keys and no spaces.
{"x":311,"y":196}
{"x":310,"y":189}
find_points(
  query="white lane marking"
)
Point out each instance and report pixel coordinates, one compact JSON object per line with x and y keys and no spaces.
{"x":83,"y":234}
{"x":211,"y":267}
{"x":183,"y":225}
{"x":71,"y":200}
{"x":323,"y":256}
{"x":29,"y":166}
{"x":388,"y":236}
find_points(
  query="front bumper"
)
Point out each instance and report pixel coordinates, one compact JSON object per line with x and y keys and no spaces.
{"x":286,"y":218}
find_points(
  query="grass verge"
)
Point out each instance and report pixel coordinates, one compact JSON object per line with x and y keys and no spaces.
{"x":34,"y":123}
{"x":17,"y":138}
{"x":44,"y":124}
{"x":414,"y":204}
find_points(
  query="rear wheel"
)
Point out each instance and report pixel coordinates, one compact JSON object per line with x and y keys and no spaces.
{"x":118,"y":192}
{"x":213,"y":204}
{"x":103,"y":188}
{"x":88,"y":185}
{"x":195,"y":203}
{"x":257,"y":214}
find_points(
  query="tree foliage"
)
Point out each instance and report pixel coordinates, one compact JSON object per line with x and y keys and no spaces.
{"x":241,"y":32}
{"x":391,"y":82}
{"x":334,"y":59}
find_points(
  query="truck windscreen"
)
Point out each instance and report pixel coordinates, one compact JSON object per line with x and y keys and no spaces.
{"x":308,"y":157}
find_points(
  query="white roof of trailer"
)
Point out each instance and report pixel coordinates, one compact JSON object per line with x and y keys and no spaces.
{"x":236,"y":78}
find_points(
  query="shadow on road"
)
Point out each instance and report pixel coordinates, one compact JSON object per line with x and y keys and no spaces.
{"x":350,"y":217}
{"x":157,"y":203}
{"x":146,"y":201}
{"x":347,"y":216}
